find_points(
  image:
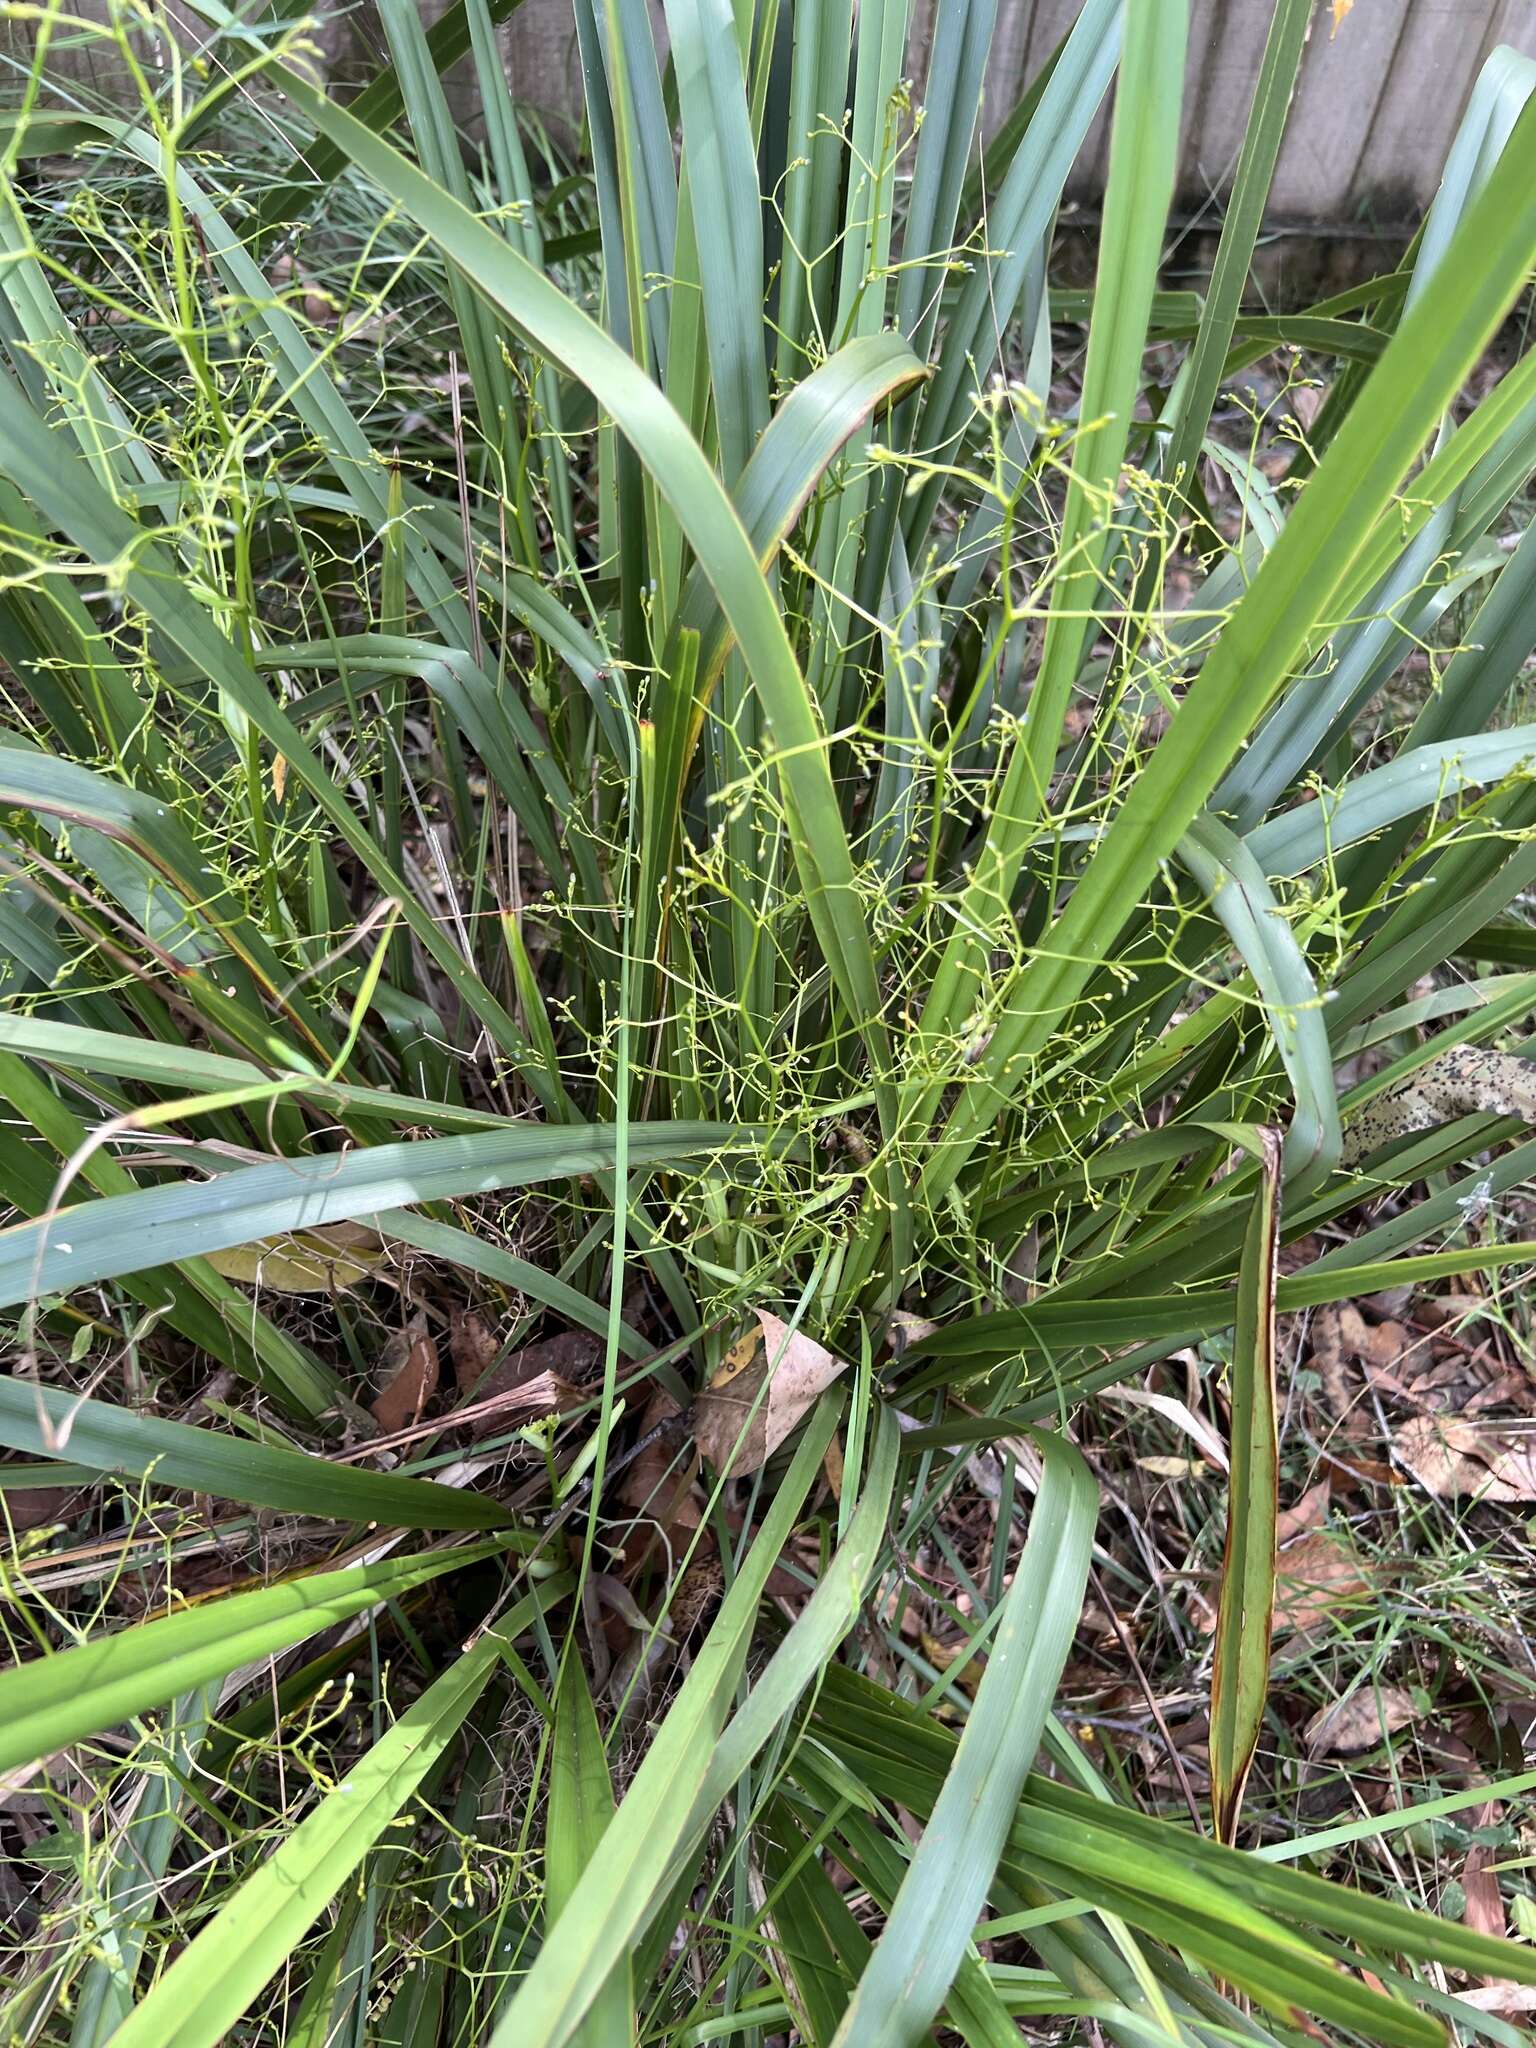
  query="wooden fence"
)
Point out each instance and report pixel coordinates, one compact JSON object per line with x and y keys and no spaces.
{"x":1381,"y":90}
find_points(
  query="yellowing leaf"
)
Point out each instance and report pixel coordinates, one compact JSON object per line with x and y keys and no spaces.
{"x":1340,"y":9}
{"x":322,"y":1261}
{"x":770,"y":1378}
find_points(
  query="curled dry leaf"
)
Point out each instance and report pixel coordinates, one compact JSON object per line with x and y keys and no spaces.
{"x":1451,"y":1455}
{"x":1361,"y":1721}
{"x":1182,"y":1417}
{"x":769,"y":1380}
{"x":409,"y":1370}
{"x":544,"y":1394}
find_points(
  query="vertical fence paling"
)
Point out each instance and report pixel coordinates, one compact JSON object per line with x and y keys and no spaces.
{"x":1379,"y":96}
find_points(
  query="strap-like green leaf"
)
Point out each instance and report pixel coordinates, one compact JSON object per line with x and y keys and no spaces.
{"x":216,"y":1976}
{"x":35,"y":1419}
{"x":53,"y":1701}
{"x":77,"y":1247}
{"x":935,"y":1913}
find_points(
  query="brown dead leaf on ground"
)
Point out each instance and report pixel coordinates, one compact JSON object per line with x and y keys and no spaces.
{"x":1355,"y":1470}
{"x":1364,"y":1719}
{"x":1310,"y":1512}
{"x":1484,"y":1910}
{"x":1507,"y":1999}
{"x":769,"y":1380}
{"x":1457,"y":1310}
{"x":556,"y":1365}
{"x":1319,"y":1572}
{"x":658,"y":1486}
{"x":1342,"y":1338}
{"x":471,"y":1346}
{"x":36,"y":1507}
{"x":409,"y":1370}
{"x":1455,"y":1455}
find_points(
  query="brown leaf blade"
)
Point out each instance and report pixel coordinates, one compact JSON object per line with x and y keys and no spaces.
{"x":1315,"y":1575}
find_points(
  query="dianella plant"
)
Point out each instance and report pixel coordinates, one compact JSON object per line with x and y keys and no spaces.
{"x":660,"y":726}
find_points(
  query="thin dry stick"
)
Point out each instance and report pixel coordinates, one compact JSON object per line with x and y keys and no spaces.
{"x":1151,"y":1699}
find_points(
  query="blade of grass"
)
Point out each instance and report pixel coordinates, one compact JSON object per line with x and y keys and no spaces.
{"x":1326,"y":538}
{"x":930,"y":1925}
{"x":552,"y":324}
{"x":721,"y":166}
{"x":1234,"y":882}
{"x":581,"y":1807}
{"x":379,"y":105}
{"x":78,"y":1247}
{"x":1239,"y":234}
{"x":626,"y":1879}
{"x":48,"y":1420}
{"x":1245,"y":1610}
{"x":215,"y":1977}
{"x":53,"y":1701}
{"x":1143,"y":151}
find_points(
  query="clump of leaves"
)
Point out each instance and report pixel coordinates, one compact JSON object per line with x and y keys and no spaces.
{"x":692,"y":723}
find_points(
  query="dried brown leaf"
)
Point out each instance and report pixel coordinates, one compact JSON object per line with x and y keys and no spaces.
{"x":471,"y":1346}
{"x":1500,"y":1998}
{"x":1310,"y":1512}
{"x":769,"y":1380}
{"x":567,"y":1359}
{"x":1484,"y":1911}
{"x":36,"y":1507}
{"x":1316,"y":1574}
{"x":410,"y":1373}
{"x":1362,"y":1720}
{"x":1452,"y":1455}
{"x":659,"y":1484}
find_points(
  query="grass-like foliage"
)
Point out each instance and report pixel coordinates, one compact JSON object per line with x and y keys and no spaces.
{"x":642,"y":731}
